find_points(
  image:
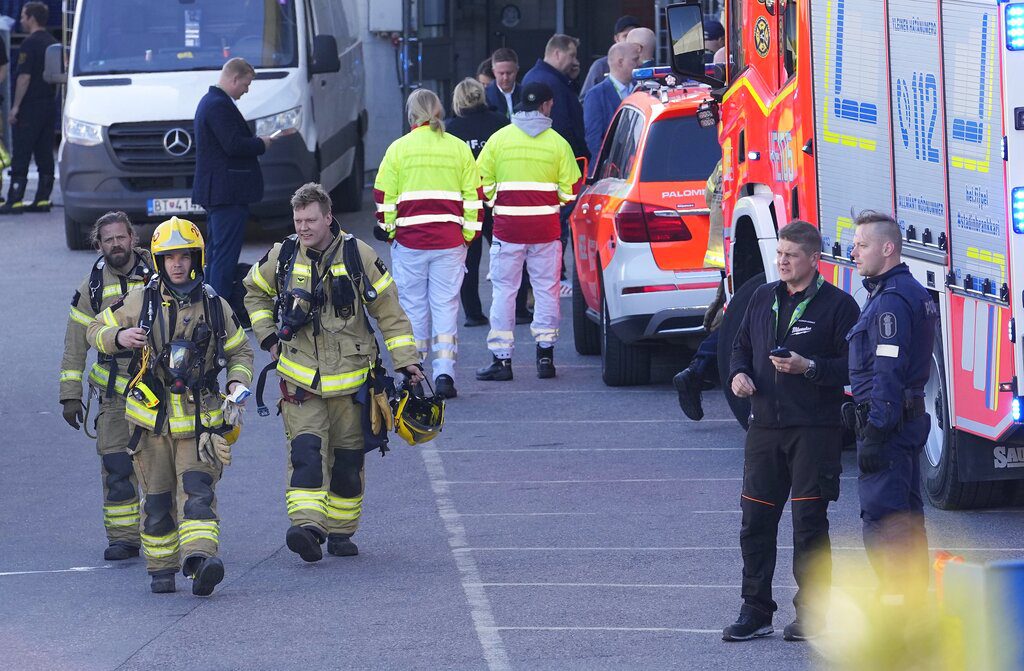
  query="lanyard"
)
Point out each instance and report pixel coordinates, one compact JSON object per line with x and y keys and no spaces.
{"x":798,"y":312}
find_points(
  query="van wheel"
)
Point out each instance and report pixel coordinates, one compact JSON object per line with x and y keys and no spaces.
{"x":622,"y":365}
{"x":730,"y":327}
{"x":74,"y":234}
{"x":349,"y":194}
{"x":586,"y":334}
{"x":938,"y":458}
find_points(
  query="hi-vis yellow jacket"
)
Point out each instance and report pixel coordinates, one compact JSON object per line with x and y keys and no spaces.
{"x":188,"y":314}
{"x":112,"y":286}
{"x":337,"y":361}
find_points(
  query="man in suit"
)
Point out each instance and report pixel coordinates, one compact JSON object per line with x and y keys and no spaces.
{"x":228,"y":175}
{"x":503,"y":93}
{"x":601,"y":101}
{"x":553,"y":70}
{"x":599,"y":69}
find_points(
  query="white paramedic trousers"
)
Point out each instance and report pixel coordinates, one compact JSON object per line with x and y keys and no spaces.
{"x":544,"y":264}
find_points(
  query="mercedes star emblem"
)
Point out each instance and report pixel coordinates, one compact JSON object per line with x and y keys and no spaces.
{"x":177,"y":142}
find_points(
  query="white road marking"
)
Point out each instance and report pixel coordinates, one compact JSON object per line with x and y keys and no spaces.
{"x":630,"y":585}
{"x":599,"y":481}
{"x":469,"y":574}
{"x":702,"y":548}
{"x":559,"y":448}
{"x":671,"y":630}
{"x":528,"y":514}
{"x":73,"y":569}
{"x":581,"y":421}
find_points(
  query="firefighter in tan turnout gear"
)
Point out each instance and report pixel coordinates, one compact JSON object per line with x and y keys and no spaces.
{"x":181,"y":335}
{"x":306,"y":299}
{"x":121,"y":266}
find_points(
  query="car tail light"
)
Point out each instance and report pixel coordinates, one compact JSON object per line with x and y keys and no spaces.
{"x":646,"y":223}
{"x":649,"y":289}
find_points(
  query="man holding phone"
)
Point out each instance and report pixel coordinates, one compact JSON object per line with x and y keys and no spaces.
{"x":790,"y":359}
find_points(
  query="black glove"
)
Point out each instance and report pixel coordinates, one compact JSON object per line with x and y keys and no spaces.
{"x":381,"y":234}
{"x":871,"y":455}
{"x":73,"y":412}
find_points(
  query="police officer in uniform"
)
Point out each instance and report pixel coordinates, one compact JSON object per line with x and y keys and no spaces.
{"x":321,"y":280}
{"x":33,"y":115}
{"x":890,"y":353}
{"x":122,"y":266}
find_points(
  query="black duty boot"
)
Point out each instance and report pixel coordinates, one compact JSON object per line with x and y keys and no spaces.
{"x":162,"y":582}
{"x":444,"y":387}
{"x":341,"y":545}
{"x":545,"y":362}
{"x":751,"y":623}
{"x":41,"y":202}
{"x":478,"y":320}
{"x":688,"y":385}
{"x":305,"y":542}
{"x":500,"y":370}
{"x":15,"y":198}
{"x":802,"y":629}
{"x":205,"y":572}
{"x":118,"y":551}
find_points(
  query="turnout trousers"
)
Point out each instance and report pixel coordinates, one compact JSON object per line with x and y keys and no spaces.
{"x":544,"y":263}
{"x":120,"y":486}
{"x":429,"y":282}
{"x":325,"y":462}
{"x":804,"y":461}
{"x":179,"y":515}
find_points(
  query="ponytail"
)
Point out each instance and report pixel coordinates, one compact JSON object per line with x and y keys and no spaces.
{"x":423,"y":107}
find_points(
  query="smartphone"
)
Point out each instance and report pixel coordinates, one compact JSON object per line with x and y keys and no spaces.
{"x":781,"y":352}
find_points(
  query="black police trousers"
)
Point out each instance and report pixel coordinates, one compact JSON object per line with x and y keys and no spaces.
{"x":776,"y":462}
{"x":33,"y":136}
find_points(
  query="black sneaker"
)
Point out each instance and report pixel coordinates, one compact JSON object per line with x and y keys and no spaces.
{"x":118,"y":551}
{"x":750,"y":624}
{"x":341,"y":545}
{"x":304,"y":543}
{"x":38,"y":206}
{"x":162,"y":582}
{"x":476,"y":321}
{"x":545,"y":362}
{"x":801,"y":630}
{"x":207,"y":575}
{"x":500,"y":370}
{"x":444,"y":387}
{"x":688,"y":385}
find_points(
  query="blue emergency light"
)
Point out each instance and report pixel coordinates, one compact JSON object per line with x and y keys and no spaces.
{"x":1014,"y":24}
{"x":1015,"y":409}
{"x":1017,"y":208}
{"x":657,"y":72}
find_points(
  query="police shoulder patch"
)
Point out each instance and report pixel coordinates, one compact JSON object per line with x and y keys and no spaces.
{"x":381,"y":266}
{"x":74,"y":299}
{"x":887,"y":325}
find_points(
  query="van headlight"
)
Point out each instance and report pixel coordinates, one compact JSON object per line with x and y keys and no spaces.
{"x":80,"y":132}
{"x":282,"y":121}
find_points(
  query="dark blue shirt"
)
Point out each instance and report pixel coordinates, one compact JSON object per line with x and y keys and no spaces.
{"x":891,"y":345}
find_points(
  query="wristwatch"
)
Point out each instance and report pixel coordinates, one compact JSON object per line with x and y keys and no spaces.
{"x":812,"y":370}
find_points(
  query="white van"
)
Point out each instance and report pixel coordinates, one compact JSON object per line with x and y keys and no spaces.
{"x":138,"y":68}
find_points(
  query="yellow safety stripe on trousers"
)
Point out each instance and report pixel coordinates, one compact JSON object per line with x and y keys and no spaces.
{"x":500,"y":337}
{"x":339,"y":270}
{"x":306,"y":499}
{"x":423,"y":346}
{"x":190,"y":531}
{"x":399,"y":341}
{"x":383,"y":283}
{"x":99,"y":337}
{"x":158,"y":547}
{"x":234,"y":341}
{"x":544,"y":335}
{"x":114,"y":290}
{"x":261,"y":315}
{"x":295,"y":371}
{"x":240,"y":368}
{"x":71,"y":376}
{"x":344,"y":381}
{"x":100,"y":376}
{"x":142,"y":415}
{"x":80,"y":317}
{"x":339,"y":508}
{"x":258,"y":280}
{"x":121,"y":515}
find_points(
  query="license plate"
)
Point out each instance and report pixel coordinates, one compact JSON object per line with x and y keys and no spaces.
{"x":160,"y":206}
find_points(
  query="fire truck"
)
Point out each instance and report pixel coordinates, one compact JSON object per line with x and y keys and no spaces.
{"x":914,"y":108}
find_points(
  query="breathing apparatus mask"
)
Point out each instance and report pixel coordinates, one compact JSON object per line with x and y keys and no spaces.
{"x":183,"y":359}
{"x":298,"y":308}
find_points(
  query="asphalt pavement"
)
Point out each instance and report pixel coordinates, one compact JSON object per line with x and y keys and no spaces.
{"x":555,"y":524}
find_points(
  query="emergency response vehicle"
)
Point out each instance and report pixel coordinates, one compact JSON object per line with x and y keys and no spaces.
{"x":911,"y":107}
{"x":640,"y":232}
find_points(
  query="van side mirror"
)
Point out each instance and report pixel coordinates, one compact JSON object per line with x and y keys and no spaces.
{"x":325,"y":55}
{"x":686,"y":38}
{"x":53,"y":65}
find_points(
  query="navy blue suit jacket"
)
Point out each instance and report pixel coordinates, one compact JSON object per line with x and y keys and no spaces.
{"x":567,"y":113}
{"x":496,"y":99}
{"x":599,"y":107}
{"x":227,"y":171}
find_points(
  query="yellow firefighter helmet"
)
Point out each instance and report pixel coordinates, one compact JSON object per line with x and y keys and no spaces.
{"x":176,"y":235}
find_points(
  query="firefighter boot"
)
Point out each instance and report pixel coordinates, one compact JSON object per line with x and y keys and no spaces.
{"x":15,"y":198}
{"x":341,"y":545}
{"x":118,"y":551}
{"x":205,"y":572}
{"x":41,"y":202}
{"x":444,"y":387}
{"x":500,"y":370}
{"x":688,"y":385}
{"x":305,"y":542}
{"x":162,"y":582}
{"x":545,"y":362}
{"x":752,"y":623}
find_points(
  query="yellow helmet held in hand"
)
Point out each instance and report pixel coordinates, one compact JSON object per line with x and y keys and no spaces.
{"x":418,"y":418}
{"x":176,"y":235}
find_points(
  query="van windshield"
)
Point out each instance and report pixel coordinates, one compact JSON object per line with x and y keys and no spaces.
{"x":679,"y":150}
{"x":130,"y":36}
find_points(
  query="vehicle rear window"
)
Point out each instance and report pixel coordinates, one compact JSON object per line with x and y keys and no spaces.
{"x":679,"y":150}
